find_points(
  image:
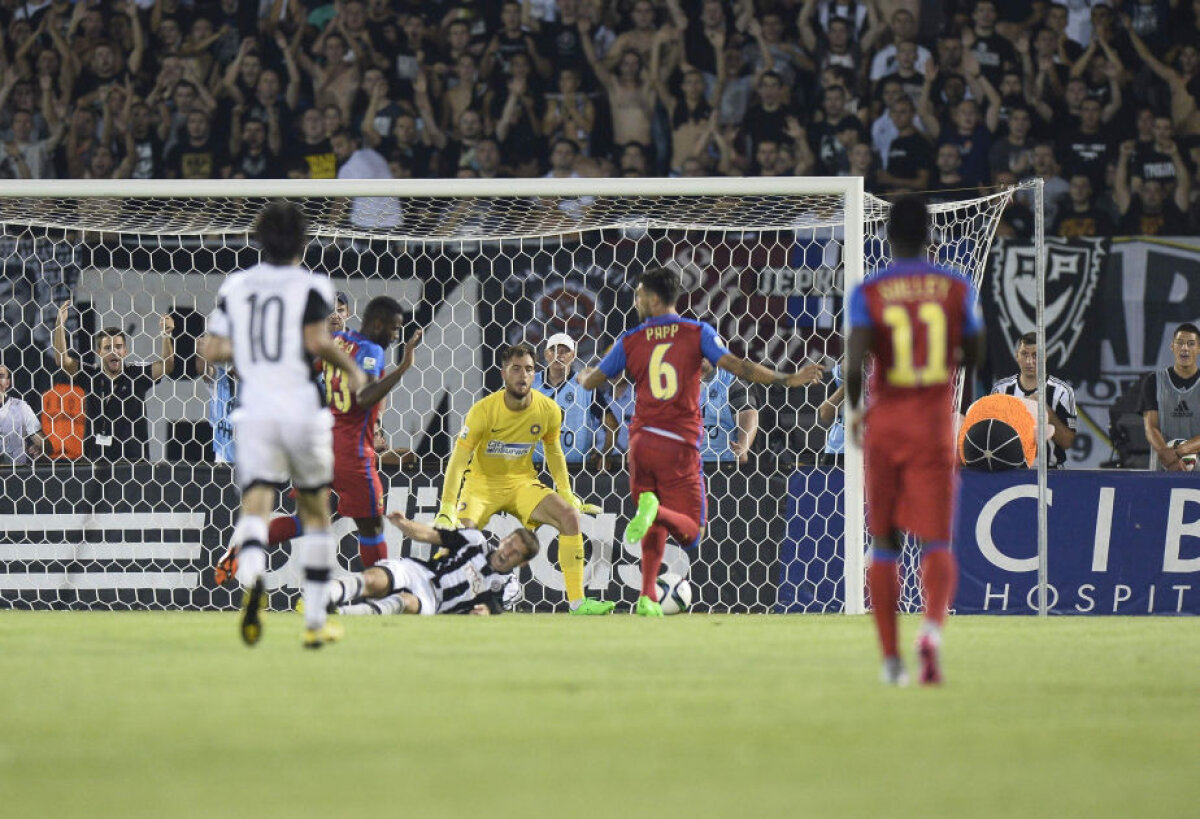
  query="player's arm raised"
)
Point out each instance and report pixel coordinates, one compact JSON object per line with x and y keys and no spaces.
{"x":318,"y":342}
{"x":757,"y":373}
{"x":376,"y":390}
{"x":591,"y":377}
{"x":215,"y":349}
{"x":415,"y":531}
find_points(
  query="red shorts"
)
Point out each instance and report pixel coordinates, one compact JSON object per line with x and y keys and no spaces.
{"x":358,"y":488}
{"x":910,"y":479}
{"x":671,"y":470}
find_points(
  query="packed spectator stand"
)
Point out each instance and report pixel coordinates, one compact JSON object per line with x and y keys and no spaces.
{"x":1098,"y":99}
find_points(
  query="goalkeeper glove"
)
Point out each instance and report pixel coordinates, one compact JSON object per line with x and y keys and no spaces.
{"x":584,"y":508}
{"x":445,"y":520}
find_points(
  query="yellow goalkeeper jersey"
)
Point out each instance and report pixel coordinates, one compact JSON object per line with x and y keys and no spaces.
{"x":502,"y":441}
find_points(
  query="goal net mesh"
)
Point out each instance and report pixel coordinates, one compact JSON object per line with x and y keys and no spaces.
{"x":475,"y":274}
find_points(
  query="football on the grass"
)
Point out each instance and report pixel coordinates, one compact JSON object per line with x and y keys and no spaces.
{"x":674,"y":593}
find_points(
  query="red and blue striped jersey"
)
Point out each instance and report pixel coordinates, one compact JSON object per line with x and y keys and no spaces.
{"x":662,"y":356}
{"x":919,"y":313}
{"x":353,"y":425}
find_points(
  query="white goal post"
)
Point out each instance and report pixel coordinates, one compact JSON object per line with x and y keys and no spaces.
{"x":480,"y":263}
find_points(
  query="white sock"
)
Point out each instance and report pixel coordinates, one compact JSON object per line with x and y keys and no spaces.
{"x":393,"y":604}
{"x":251,"y":533}
{"x":316,"y":558}
{"x":346,"y":589}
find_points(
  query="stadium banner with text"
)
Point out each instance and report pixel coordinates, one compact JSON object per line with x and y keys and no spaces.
{"x":1111,"y":306}
{"x":1121,"y":542}
{"x":756,"y":294}
{"x":147,"y":536}
{"x":1074,"y":315}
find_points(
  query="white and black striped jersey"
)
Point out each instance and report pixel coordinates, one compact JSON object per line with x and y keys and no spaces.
{"x":464,"y":578}
{"x":1060,"y":398}
{"x":263,"y":310}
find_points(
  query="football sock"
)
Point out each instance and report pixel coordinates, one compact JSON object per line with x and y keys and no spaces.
{"x":251,"y":533}
{"x":392,"y":604}
{"x":570,"y":560}
{"x":346,"y":589}
{"x":371,"y":549}
{"x":653,"y":546}
{"x":939,"y":577}
{"x":316,"y":557}
{"x":883,"y":581}
{"x":682,"y":528}
{"x":284,"y":528}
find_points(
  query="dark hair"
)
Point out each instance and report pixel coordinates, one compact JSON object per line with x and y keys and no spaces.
{"x":340,"y":297}
{"x":282,"y":232}
{"x":343,"y":132}
{"x":564,"y":141}
{"x":515,"y":351}
{"x":908,"y":226}
{"x":116,"y":332}
{"x":662,"y":283}
{"x":1186,"y":327}
{"x":1027,"y":340}
{"x":530,"y":541}
{"x":380,"y":309}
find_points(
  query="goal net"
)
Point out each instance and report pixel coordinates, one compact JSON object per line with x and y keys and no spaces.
{"x":478,"y":265}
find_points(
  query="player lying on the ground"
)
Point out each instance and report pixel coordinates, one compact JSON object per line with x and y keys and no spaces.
{"x":356,"y":481}
{"x":472,"y":573}
{"x":491,"y":471}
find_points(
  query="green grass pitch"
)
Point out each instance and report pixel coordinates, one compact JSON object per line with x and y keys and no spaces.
{"x":167,"y":714}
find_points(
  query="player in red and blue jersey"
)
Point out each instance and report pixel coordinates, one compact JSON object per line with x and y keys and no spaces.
{"x":662,"y":356}
{"x":918,"y":322}
{"x":355,"y":465}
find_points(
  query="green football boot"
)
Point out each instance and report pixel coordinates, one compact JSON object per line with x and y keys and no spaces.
{"x":588,"y":606}
{"x":644,"y":519}
{"x":647,"y":607}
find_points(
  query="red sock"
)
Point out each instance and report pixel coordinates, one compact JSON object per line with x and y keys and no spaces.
{"x":681,"y":527}
{"x":371,"y":550}
{"x":653,"y":546}
{"x":939,"y":578}
{"x":883,"y":581}
{"x":282,"y":529}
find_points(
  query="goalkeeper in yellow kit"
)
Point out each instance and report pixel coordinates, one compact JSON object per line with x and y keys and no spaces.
{"x":491,"y":470}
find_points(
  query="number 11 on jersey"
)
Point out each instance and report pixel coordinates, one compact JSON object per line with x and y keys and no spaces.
{"x":904,"y":372}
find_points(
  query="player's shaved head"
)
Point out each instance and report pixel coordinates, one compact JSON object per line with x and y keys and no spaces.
{"x":908,"y":227}
{"x":381,"y":309}
{"x":382,"y":320}
{"x":282,"y":231}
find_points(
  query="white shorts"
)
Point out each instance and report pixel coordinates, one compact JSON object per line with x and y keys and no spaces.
{"x":277,"y":450}
{"x":410,"y":576}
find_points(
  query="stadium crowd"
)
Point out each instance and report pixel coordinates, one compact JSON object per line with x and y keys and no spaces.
{"x":1099,"y":99}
